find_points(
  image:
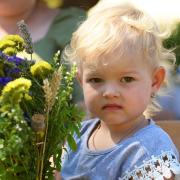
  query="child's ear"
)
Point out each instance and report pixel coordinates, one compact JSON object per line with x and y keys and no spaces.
{"x":158,"y":78}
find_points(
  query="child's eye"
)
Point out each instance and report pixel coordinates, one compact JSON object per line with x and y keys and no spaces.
{"x":95,"y":80}
{"x":127,"y":79}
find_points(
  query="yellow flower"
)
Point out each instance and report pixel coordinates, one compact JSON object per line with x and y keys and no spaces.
{"x":15,"y":90}
{"x":15,"y":85}
{"x":11,"y":44}
{"x":27,"y":97}
{"x":41,"y":69}
{"x":53,"y":3}
{"x":10,"y":51}
{"x":16,"y":38}
{"x":6,"y":43}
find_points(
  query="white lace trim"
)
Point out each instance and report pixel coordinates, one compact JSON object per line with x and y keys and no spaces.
{"x":157,"y":168}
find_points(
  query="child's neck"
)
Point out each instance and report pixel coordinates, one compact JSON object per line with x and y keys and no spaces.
{"x":113,"y":134}
{"x":125,"y":127}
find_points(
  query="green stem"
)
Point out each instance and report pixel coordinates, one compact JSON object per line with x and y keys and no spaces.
{"x":38,"y":158}
{"x":25,"y":168}
{"x":44,"y":146}
{"x":31,"y":57}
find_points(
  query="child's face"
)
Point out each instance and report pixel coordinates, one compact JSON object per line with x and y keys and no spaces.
{"x":119,"y":91}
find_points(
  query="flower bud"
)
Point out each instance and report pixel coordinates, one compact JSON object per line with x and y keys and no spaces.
{"x":38,"y":122}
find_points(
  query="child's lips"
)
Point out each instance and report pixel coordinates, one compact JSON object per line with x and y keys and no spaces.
{"x":112,"y":107}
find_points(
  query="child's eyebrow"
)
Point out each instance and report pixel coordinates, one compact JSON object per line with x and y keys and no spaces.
{"x":129,"y":72}
{"x":92,"y":69}
{"x":92,"y":73}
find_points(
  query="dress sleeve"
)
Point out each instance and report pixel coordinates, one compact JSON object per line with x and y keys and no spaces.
{"x":65,"y":24}
{"x":60,"y":32}
{"x":156,"y":168}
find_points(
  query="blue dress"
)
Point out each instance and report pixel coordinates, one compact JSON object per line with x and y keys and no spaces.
{"x":148,"y":153}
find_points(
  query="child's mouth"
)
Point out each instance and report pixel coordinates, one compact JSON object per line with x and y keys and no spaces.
{"x":112,"y":107}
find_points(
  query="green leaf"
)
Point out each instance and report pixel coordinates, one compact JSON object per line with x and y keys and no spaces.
{"x":2,"y":171}
{"x":71,"y":142}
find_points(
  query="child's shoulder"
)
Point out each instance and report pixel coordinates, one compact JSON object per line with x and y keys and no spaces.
{"x":153,"y":154}
{"x":154,"y":139}
{"x":88,"y":124}
{"x":85,"y":130}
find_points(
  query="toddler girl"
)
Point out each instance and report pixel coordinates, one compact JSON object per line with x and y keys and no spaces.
{"x":120,"y":60}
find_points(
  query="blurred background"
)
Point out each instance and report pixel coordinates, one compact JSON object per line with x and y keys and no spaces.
{"x":166,"y":12}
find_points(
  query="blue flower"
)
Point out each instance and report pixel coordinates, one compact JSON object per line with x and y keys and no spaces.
{"x":12,"y":71}
{"x":16,"y":60}
{"x":5,"y":80}
{"x":2,"y":55}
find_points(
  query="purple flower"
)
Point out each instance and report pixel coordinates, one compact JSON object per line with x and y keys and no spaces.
{"x":2,"y":55}
{"x":12,"y":71}
{"x":5,"y":80}
{"x":15,"y":59}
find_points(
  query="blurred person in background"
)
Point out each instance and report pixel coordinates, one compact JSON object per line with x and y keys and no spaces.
{"x":50,"y":28}
{"x":84,"y":4}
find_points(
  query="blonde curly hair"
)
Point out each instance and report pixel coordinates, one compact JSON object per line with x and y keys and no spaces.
{"x":121,"y":26}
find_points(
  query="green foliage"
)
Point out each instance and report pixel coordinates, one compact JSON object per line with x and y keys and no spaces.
{"x":64,"y":120}
{"x":37,"y":115}
{"x":16,"y":142}
{"x":173,"y":42}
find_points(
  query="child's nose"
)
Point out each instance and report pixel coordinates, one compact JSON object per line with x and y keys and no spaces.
{"x":111,"y":91}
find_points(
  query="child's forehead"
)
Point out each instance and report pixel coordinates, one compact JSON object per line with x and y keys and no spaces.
{"x":113,"y":62}
{"x":126,"y":48}
{"x":114,"y":58}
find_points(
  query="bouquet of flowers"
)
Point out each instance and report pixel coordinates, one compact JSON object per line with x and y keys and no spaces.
{"x":37,"y":115}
